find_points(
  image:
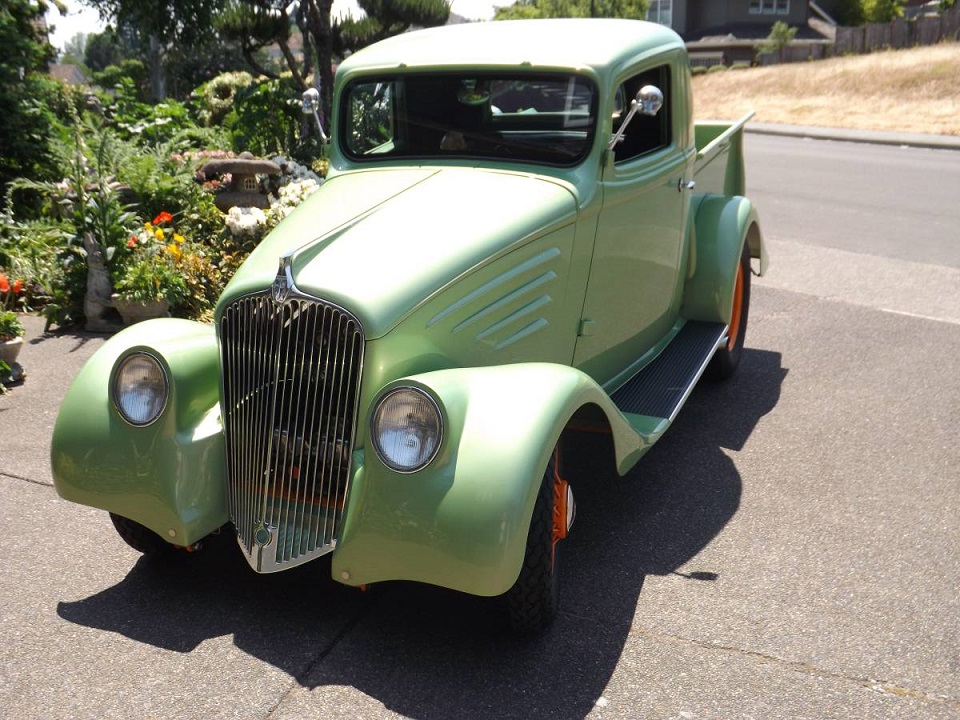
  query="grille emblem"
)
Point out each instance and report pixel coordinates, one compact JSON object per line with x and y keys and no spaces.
{"x":262,"y":535}
{"x":281,"y":285}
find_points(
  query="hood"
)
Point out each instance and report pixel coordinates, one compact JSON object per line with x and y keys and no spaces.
{"x":381,"y":242}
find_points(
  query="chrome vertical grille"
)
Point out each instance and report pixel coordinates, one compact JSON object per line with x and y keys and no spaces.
{"x":291,"y":376}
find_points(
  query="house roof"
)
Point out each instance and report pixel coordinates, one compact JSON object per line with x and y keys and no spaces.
{"x":71,"y":74}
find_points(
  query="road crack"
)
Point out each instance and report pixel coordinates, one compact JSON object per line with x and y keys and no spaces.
{"x":11,"y":476}
{"x":883,"y":687}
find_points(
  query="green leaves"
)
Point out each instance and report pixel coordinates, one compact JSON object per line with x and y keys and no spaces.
{"x":532,"y":9}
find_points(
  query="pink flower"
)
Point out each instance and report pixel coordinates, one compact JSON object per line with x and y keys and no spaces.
{"x":132,"y":242}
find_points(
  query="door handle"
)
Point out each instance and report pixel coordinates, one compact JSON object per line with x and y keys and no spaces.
{"x":686,"y":185}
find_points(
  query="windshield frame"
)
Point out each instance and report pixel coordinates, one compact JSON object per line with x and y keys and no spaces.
{"x":558,"y":138}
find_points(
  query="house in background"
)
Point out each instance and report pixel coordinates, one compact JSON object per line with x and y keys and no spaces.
{"x":728,"y":31}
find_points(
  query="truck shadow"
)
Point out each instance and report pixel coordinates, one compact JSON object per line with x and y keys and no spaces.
{"x":426,"y":652}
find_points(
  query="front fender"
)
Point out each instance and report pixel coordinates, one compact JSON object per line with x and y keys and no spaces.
{"x":462,"y":521}
{"x":168,"y":476}
{"x":721,"y":227}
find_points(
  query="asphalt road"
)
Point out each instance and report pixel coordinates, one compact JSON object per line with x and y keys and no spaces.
{"x":789,"y":549}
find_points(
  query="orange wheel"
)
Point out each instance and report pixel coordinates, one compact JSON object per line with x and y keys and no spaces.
{"x":734,"y":332}
{"x":727,"y":358}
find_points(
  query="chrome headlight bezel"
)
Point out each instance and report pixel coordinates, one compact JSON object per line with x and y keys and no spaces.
{"x":121,"y":387}
{"x":378,"y":417}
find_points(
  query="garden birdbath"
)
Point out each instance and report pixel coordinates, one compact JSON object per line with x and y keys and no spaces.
{"x":244,"y":190}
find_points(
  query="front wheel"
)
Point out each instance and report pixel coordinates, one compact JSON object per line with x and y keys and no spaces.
{"x":727,"y":358}
{"x":142,"y":539}
{"x":533,"y":600}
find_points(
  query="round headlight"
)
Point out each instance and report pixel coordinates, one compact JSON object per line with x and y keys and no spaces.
{"x":407,"y":429}
{"x":140,"y":389}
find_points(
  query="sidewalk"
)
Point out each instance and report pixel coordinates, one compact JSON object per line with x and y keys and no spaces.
{"x":920,"y":140}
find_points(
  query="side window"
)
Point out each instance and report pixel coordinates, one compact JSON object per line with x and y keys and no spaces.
{"x":371,"y":109}
{"x":644,"y":134}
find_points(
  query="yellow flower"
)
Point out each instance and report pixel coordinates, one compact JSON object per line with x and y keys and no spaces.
{"x":148,"y":226}
{"x":174,"y":251}
{"x":177,"y":237}
{"x":158,"y":233}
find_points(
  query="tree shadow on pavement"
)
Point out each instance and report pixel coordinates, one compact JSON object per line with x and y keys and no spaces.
{"x":426,"y":652}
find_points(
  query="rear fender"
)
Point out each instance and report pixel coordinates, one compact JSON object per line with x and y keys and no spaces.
{"x":168,"y":476}
{"x":462,"y":521}
{"x":721,"y":227}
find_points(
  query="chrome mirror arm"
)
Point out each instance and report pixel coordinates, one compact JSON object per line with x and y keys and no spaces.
{"x":648,"y":102}
{"x":311,"y":101}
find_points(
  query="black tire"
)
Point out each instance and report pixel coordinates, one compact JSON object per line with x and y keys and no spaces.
{"x":142,"y":539}
{"x":727,"y":358}
{"x":533,"y":600}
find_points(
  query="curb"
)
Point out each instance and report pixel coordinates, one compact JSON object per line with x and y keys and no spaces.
{"x":917,"y":140}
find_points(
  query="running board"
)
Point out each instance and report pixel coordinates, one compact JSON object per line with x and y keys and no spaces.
{"x":661,"y":388}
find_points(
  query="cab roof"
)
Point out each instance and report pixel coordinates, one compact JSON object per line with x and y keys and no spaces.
{"x":576,"y":44}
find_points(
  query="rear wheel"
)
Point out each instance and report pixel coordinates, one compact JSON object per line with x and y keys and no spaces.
{"x":533,"y":600}
{"x":140,"y":538}
{"x":727,"y":358}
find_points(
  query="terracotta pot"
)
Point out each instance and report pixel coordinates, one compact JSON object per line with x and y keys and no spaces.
{"x":133,"y":311}
{"x":10,"y":349}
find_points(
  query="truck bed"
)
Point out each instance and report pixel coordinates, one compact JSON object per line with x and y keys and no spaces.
{"x":719,"y":164}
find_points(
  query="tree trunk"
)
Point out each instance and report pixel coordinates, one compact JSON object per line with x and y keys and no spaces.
{"x":158,"y":80}
{"x":318,"y":13}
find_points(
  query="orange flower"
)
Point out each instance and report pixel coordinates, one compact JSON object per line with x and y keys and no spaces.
{"x":163,"y":217}
{"x":17,"y":286}
{"x":4,"y":283}
{"x":132,"y":242}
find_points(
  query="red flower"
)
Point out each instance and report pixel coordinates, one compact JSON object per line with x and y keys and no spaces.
{"x":17,"y":286}
{"x":132,"y":242}
{"x":4,"y":283}
{"x":163,"y":217}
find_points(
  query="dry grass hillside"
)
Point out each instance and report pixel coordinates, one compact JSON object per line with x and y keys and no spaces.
{"x":914,"y":90}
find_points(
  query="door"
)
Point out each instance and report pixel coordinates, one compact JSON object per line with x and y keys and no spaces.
{"x":633,"y":292}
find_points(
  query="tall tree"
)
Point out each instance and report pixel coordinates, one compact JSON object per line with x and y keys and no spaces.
{"x":25,"y":55}
{"x":530,"y":9}
{"x":74,"y":48}
{"x":260,"y":23}
{"x":103,"y":49}
{"x":163,"y":26}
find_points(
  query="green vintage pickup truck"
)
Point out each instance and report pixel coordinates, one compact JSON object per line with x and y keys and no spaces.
{"x":523,"y":233}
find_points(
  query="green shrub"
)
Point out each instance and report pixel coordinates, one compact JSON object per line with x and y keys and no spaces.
{"x":215,"y":98}
{"x":267,"y":119}
{"x":152,"y":279}
{"x":10,"y":325}
{"x":717,"y":68}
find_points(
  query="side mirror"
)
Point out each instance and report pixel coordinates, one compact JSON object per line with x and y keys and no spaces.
{"x":648,"y":101}
{"x":311,"y":105}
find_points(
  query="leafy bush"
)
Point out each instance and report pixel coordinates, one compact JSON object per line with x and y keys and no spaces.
{"x":267,"y":119}
{"x":215,"y":98}
{"x":10,"y":325}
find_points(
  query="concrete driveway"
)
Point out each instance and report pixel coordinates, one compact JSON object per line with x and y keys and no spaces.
{"x":789,"y":549}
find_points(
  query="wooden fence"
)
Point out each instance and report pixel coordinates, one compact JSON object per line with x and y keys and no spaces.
{"x":901,"y":33}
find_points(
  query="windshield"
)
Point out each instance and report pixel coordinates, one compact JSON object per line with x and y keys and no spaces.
{"x":547,"y":119}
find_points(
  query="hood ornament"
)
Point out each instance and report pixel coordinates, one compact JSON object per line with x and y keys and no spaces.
{"x":283,"y":283}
